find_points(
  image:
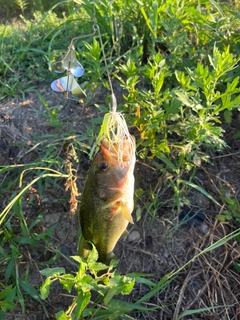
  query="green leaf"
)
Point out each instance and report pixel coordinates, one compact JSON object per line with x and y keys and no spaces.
{"x":158,"y":287}
{"x":227,"y":116}
{"x":218,"y":7}
{"x":93,"y":256}
{"x":77,"y":258}
{"x":221,"y":217}
{"x":140,"y":278}
{"x":82,"y":301}
{"x":195,"y":186}
{"x":98,"y":266}
{"x":184,"y":98}
{"x":7,"y":305}
{"x":27,"y":240}
{"x":37,"y":220}
{"x":61,"y":315}
{"x":162,"y":157}
{"x":190,"y":312}
{"x":52,"y":272}
{"x":67,"y":281}
{"x":45,"y":288}
{"x":138,"y":213}
{"x":127,"y":307}
{"x":237,"y":266}
{"x":5,"y":292}
{"x":118,"y":284}
{"x":32,"y":292}
{"x":236,"y":135}
{"x":9,"y":269}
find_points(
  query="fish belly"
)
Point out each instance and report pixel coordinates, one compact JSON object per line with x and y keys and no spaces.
{"x":103,"y":227}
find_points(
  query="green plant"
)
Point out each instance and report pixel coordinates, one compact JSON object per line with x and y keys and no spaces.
{"x":21,"y":4}
{"x":110,"y":283}
{"x":232,"y":211}
{"x":176,"y":125}
{"x":85,"y":283}
{"x":12,"y":240}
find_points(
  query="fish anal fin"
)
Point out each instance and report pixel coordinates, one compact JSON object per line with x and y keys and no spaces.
{"x":126,"y":213}
{"x":124,"y":234}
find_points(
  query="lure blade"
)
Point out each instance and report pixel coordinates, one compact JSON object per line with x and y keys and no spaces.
{"x":67,"y":84}
{"x":69,"y":63}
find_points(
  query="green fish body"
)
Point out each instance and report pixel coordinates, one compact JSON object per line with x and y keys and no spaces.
{"x":107,"y":201}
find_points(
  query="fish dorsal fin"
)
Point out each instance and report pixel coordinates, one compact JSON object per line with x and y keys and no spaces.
{"x":126,"y":213}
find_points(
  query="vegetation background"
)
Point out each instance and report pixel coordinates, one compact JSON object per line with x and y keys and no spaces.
{"x":175,"y":71}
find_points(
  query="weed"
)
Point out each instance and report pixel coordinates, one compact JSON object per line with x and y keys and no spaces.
{"x":84,"y":282}
{"x":232,"y":211}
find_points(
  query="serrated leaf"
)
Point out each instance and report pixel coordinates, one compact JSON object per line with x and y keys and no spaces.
{"x":67,"y":281}
{"x":93,"y":256}
{"x":183,"y":97}
{"x":118,"y":284}
{"x":61,"y":315}
{"x":52,"y":272}
{"x":98,"y":266}
{"x":77,"y":258}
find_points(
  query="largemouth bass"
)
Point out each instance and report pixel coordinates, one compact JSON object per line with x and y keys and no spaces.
{"x":107,"y":201}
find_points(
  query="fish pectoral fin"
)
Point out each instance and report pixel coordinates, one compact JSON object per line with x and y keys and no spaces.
{"x":126,"y":213}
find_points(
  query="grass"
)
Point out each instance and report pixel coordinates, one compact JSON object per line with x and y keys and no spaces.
{"x":177,"y":63}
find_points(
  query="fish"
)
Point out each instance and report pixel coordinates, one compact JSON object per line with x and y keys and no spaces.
{"x":107,"y":200}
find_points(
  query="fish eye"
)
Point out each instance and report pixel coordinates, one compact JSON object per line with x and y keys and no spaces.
{"x":103,"y":166}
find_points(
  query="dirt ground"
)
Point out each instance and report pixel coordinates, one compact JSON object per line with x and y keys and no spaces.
{"x":156,"y":246}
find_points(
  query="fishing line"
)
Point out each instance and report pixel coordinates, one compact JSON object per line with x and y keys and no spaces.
{"x":114,"y":128}
{"x":113,"y":101}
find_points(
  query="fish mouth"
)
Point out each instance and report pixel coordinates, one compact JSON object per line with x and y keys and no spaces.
{"x":117,"y":152}
{"x":114,"y":188}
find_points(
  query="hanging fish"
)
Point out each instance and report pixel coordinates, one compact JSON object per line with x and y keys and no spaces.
{"x":107,"y":201}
